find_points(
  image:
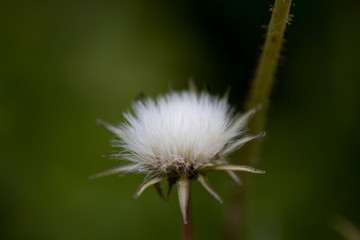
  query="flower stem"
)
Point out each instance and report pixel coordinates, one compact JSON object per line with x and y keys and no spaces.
{"x":269,"y":58}
{"x":187,"y":228}
{"x":259,"y":94}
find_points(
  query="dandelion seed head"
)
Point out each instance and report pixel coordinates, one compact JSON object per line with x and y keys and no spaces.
{"x":178,"y":137}
{"x":178,"y":132}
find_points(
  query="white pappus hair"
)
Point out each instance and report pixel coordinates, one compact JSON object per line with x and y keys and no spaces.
{"x":179,"y":129}
{"x":178,"y":137}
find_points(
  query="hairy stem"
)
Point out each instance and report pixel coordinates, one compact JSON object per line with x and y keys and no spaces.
{"x":266,"y":69}
{"x":259,"y":94}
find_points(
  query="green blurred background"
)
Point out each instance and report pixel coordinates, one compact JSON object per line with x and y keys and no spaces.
{"x":64,"y":64}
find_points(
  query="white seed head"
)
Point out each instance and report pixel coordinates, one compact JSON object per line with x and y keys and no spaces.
{"x":180,"y":135}
{"x":179,"y":131}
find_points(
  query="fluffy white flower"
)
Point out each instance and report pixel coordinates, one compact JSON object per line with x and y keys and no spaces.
{"x":180,"y":137}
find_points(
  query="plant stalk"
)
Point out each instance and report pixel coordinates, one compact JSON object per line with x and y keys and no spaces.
{"x":187,"y":228}
{"x":260,"y":91}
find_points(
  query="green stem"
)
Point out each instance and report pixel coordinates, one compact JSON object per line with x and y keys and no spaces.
{"x":266,"y":69}
{"x":259,"y":94}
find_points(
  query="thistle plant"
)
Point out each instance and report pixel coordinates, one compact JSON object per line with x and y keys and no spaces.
{"x":180,"y":137}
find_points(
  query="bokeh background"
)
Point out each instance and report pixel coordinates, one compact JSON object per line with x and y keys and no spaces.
{"x":64,"y":64}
